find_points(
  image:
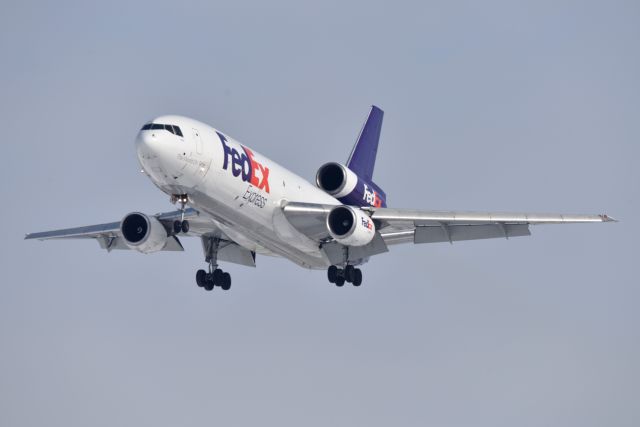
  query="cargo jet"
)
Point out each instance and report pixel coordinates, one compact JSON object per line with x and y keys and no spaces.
{"x":241,"y":204}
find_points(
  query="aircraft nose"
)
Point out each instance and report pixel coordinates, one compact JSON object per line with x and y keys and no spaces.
{"x":151,"y":144}
{"x":145,"y":142}
{"x":155,"y":150}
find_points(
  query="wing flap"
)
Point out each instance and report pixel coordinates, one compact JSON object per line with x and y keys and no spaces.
{"x":233,"y":252}
{"x":455,"y":233}
{"x":335,"y":251}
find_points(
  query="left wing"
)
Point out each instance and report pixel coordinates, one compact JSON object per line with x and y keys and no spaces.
{"x":400,"y":226}
{"x":413,"y":226}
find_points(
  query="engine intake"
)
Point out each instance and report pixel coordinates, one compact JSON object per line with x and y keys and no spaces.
{"x":143,"y":233}
{"x":350,"y":226}
{"x":336,"y":179}
{"x":342,"y":183}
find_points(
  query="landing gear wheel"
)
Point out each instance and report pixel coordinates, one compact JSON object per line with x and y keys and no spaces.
{"x":184,"y":226}
{"x":349,"y":273}
{"x":218,"y":276}
{"x":357,"y":277}
{"x":215,"y":276}
{"x":201,"y":277}
{"x":340,"y":281}
{"x":332,"y":274}
{"x":225,"y":284}
{"x":177,"y":226}
{"x":208,"y":283}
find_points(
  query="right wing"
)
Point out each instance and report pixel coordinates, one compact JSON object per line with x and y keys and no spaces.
{"x":109,"y":236}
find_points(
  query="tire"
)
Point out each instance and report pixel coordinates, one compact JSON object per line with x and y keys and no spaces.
{"x":177,"y":226}
{"x":201,"y":277}
{"x":184,"y":226}
{"x":340,"y":281}
{"x":357,"y":277}
{"x":208,"y":282}
{"x":332,"y":274}
{"x":218,"y":277}
{"x":226,"y":282}
{"x":349,"y":273}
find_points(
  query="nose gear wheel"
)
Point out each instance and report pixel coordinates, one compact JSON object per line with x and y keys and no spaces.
{"x":181,"y":225}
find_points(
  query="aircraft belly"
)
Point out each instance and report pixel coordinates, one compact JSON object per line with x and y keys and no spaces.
{"x":255,"y":230}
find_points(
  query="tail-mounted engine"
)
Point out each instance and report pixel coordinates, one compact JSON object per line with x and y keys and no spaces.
{"x":143,"y":233}
{"x":342,"y":183}
{"x":350,"y":226}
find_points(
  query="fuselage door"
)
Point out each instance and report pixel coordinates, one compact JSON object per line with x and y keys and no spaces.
{"x":198,"y":140}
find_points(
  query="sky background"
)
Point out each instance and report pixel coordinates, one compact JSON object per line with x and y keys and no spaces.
{"x":498,"y":105}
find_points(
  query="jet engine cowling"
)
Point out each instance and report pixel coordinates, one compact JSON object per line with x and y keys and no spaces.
{"x":350,"y":226}
{"x":345,"y":185}
{"x":143,"y":233}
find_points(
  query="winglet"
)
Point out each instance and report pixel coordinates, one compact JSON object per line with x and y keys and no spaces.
{"x":363,"y":156}
{"x":607,"y":218}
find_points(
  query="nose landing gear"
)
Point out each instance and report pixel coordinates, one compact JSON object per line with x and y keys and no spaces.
{"x":181,"y":225}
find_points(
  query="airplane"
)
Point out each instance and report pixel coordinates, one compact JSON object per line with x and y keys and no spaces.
{"x":242,"y":204}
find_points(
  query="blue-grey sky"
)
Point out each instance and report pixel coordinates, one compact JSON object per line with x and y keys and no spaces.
{"x":498,"y":105}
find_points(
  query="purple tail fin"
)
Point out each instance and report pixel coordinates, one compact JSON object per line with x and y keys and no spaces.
{"x":363,"y":156}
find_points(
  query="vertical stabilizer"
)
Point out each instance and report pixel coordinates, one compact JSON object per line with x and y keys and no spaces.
{"x":363,"y":156}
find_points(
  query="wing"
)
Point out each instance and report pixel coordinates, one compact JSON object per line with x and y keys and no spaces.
{"x":109,"y":236}
{"x":404,"y":226}
{"x":400,"y":226}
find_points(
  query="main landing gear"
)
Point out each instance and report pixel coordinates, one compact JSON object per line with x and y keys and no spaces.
{"x":348,"y":274}
{"x":215,"y":276}
{"x":212,"y":279}
{"x":181,"y":225}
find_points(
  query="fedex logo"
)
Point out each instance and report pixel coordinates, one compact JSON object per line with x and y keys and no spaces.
{"x":366,"y":223}
{"x":371,"y":197}
{"x":244,"y":165}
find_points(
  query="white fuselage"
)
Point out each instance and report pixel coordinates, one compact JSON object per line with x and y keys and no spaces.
{"x":239,"y":189}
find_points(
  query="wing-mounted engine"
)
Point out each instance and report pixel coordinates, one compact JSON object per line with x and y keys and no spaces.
{"x":143,"y":233}
{"x":350,"y":226}
{"x":342,"y":183}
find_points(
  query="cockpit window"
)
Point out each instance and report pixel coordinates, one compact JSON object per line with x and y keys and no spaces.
{"x":157,"y":126}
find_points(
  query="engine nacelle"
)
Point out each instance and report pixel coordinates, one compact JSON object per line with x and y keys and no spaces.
{"x":350,"y":226}
{"x":336,"y":179}
{"x":143,"y":233}
{"x":342,"y":183}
